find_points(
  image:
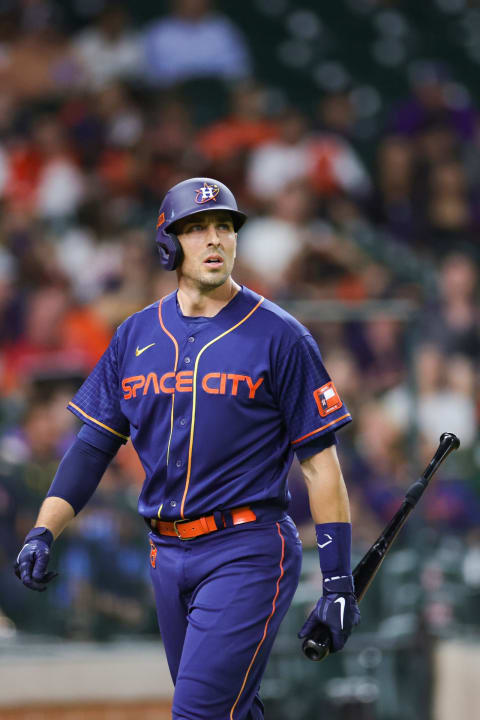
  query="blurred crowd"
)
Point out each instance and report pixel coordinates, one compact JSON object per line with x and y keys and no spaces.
{"x":97,"y":120}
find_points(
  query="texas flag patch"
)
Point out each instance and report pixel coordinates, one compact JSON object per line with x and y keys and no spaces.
{"x":327,"y":399}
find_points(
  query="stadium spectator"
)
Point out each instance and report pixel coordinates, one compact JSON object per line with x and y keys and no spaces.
{"x":284,"y":232}
{"x":110,"y":49}
{"x":435,"y":98}
{"x":60,"y":184}
{"x":38,"y":61}
{"x":452,"y":322}
{"x":392,"y":206}
{"x":57,"y":338}
{"x":194,"y":41}
{"x":326,"y":160}
{"x":449,"y":220}
{"x":243,"y":129}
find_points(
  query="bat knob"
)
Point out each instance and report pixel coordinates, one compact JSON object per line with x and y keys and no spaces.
{"x":451,"y":439}
{"x":318,"y":643}
{"x":314,"y":650}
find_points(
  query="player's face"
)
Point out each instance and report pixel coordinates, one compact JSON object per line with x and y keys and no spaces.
{"x":209,"y":244}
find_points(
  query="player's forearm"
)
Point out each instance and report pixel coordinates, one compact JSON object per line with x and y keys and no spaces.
{"x":55,"y":514}
{"x":81,"y":470}
{"x":326,"y":488}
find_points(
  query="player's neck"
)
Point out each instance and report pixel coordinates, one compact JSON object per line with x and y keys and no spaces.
{"x":195,"y":301}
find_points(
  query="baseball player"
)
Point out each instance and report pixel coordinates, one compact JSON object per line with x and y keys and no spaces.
{"x":217,"y":388}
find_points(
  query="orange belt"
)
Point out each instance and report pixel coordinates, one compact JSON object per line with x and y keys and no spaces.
{"x":188,"y":529}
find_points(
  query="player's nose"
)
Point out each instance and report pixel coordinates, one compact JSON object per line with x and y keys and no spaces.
{"x":213,"y":235}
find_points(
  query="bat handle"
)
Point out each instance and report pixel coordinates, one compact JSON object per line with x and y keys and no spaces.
{"x":317,"y":646}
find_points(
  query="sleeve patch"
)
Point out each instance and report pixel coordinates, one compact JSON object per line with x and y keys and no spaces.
{"x":327,"y":399}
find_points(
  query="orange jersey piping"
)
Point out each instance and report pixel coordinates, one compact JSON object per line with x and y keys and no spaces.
{"x":194,"y":401}
{"x":174,"y":370}
{"x":266,"y":625}
{"x":324,"y":427}
{"x":125,"y":437}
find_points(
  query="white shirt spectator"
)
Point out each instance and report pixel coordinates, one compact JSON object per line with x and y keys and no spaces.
{"x":273,"y":166}
{"x":268,"y":245}
{"x":178,"y":49}
{"x":436,"y":411}
{"x":327,"y":160}
{"x":106,"y":60}
{"x":60,"y":190}
{"x":448,"y":409}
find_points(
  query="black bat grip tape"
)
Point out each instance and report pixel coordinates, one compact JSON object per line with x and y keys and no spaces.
{"x":415,"y":491}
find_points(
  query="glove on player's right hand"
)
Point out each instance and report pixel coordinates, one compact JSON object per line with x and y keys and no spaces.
{"x":32,"y":560}
{"x":337,"y":609}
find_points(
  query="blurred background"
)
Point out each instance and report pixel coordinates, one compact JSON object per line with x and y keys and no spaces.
{"x":350,"y":133}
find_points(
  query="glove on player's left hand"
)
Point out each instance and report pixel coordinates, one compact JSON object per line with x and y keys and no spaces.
{"x":337,"y":609}
{"x":32,"y":560}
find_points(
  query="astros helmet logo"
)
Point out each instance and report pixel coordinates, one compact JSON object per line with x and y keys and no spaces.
{"x":206,"y":193}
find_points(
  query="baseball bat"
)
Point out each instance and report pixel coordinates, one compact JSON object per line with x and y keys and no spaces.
{"x":317,"y":647}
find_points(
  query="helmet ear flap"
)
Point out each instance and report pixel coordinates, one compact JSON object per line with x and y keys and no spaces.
{"x":170,"y":250}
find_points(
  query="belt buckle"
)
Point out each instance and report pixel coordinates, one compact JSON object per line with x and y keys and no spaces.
{"x":175,"y":523}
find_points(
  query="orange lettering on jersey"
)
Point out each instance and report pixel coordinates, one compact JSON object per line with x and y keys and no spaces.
{"x":151,"y":378}
{"x":164,"y":388}
{"x":253,"y":387}
{"x":136,"y":381}
{"x":235,"y":380}
{"x":214,"y":383}
{"x":223,"y":383}
{"x":184,"y":381}
{"x":210,"y":390}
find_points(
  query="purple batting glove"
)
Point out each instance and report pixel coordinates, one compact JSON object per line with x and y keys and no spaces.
{"x":32,"y":560}
{"x":337,"y":609}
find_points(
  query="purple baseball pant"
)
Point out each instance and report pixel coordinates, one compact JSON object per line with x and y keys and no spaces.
{"x":220,"y":601}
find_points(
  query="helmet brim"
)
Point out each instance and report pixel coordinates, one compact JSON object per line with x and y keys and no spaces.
{"x":238,"y":217}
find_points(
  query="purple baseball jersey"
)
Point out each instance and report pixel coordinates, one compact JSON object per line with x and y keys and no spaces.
{"x":215,"y":407}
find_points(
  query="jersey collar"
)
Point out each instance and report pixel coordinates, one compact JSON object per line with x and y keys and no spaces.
{"x":229,"y":315}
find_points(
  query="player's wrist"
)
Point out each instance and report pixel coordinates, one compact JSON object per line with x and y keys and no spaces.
{"x":40,"y":533}
{"x":334,"y":543}
{"x":339,"y":585}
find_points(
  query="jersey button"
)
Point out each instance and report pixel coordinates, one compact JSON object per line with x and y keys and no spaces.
{"x":191,"y":339}
{"x":187,"y":360}
{"x":173,"y":503}
{"x":179,"y":463}
{"x":183,"y":421}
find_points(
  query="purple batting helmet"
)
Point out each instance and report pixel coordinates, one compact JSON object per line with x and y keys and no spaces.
{"x":187,"y":198}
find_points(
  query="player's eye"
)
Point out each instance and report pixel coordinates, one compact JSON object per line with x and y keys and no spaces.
{"x":194,"y":228}
{"x":225,"y":226}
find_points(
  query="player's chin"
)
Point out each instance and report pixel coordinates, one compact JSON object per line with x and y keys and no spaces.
{"x":215,"y":277}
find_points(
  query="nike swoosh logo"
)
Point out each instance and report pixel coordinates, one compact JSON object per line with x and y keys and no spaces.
{"x":341,"y":600}
{"x":139,"y":351}
{"x":330,"y":539}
